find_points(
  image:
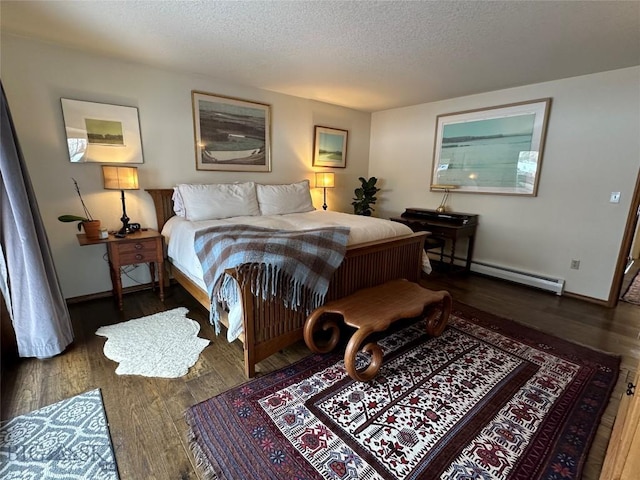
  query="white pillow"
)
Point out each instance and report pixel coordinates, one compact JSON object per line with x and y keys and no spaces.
{"x":222,"y":200}
{"x":281,"y":199}
{"x":178,"y":205}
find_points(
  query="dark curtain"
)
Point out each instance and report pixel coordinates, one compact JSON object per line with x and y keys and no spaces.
{"x":28,"y":278}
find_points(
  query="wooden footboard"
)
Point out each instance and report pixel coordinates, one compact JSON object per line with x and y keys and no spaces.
{"x":268,"y":325}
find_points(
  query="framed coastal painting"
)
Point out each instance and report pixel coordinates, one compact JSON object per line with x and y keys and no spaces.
{"x":491,"y":150}
{"x":231,"y":134}
{"x":100,"y":132}
{"x":330,"y":147}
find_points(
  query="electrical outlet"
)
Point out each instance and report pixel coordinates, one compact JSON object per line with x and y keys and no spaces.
{"x":615,"y":197}
{"x":575,"y":264}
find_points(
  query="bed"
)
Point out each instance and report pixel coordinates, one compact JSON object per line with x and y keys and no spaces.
{"x":267,"y":325}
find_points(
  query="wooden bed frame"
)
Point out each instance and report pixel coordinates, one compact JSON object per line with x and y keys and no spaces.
{"x":268,"y":325}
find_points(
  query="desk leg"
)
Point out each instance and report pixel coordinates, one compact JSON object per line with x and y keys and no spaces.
{"x":116,"y":281}
{"x":114,"y":271}
{"x":152,"y":271}
{"x":453,"y":252}
{"x":161,"y":280}
{"x":472,"y":239}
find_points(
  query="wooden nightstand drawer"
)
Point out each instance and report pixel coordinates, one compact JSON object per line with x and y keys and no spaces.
{"x":141,"y":246}
{"x":140,"y":251}
{"x":142,"y":256}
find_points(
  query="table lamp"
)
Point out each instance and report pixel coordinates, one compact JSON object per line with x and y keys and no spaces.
{"x":121,"y":178}
{"x":325,"y":180}
{"x":443,"y":204}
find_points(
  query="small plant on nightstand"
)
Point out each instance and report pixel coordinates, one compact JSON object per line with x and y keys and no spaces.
{"x":91,"y":226}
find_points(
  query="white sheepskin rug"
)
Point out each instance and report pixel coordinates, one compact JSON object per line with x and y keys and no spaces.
{"x":163,"y":345}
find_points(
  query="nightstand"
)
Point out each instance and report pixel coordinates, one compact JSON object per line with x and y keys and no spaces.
{"x":140,"y":247}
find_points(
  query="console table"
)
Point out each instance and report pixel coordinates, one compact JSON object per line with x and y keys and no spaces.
{"x":450,"y":226}
{"x":140,"y":247}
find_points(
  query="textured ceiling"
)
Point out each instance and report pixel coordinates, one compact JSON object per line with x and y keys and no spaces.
{"x":367,"y":55}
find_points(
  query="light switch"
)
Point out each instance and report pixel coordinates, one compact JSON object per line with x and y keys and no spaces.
{"x":615,"y":197}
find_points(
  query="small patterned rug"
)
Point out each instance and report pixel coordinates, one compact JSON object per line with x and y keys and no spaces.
{"x":67,"y":440}
{"x":164,"y":345}
{"x":632,"y":295}
{"x":488,"y":399}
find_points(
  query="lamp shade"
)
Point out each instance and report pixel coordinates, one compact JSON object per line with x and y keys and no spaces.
{"x":325,"y":180}
{"x":120,"y":178}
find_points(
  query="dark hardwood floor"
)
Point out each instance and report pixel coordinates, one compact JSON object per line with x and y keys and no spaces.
{"x":146,"y":414}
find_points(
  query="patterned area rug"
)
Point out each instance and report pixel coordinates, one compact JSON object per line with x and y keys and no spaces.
{"x":488,"y":399}
{"x":632,"y":295}
{"x":164,"y":345}
{"x":67,"y":440}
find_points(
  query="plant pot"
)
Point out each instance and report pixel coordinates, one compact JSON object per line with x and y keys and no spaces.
{"x":92,"y":229}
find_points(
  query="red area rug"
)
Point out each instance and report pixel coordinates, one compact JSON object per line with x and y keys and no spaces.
{"x":632,"y":295}
{"x":488,"y":399}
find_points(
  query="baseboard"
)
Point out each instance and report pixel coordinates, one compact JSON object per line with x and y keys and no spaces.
{"x":109,"y":293}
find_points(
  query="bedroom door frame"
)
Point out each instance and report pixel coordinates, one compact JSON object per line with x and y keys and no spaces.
{"x":625,"y":247}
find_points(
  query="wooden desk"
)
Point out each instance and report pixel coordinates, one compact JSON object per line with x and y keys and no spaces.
{"x":140,"y":247}
{"x":450,"y":226}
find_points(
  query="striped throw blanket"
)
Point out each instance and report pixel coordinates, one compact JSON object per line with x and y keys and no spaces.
{"x":295,"y":266}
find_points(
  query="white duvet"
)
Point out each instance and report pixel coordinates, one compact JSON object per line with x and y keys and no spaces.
{"x":179,"y":236}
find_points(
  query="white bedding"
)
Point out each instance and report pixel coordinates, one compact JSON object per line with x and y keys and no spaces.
{"x":179,"y":236}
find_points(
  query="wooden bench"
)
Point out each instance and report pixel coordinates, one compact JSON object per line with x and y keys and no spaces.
{"x":373,"y":310}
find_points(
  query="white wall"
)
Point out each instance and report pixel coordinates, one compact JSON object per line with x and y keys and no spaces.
{"x":36,"y":75}
{"x":592,"y":149}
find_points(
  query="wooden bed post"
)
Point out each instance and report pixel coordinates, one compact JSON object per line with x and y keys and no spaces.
{"x":163,"y":204}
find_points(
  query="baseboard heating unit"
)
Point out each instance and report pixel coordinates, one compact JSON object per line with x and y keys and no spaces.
{"x":555,"y":285}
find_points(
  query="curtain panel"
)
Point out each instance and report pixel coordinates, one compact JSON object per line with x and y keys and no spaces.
{"x":28,"y":278}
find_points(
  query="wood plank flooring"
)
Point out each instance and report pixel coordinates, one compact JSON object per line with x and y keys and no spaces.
{"x":146,"y":414}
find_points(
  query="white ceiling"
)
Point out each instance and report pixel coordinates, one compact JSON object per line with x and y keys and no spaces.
{"x":367,"y":55}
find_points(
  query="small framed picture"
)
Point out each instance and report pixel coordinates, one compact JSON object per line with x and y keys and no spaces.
{"x":100,"y":132}
{"x":231,"y":134}
{"x":330,"y":147}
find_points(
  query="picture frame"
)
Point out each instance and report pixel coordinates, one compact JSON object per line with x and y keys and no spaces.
{"x":231,"y":134}
{"x":330,"y":147}
{"x":496,"y":150}
{"x":101,"y":132}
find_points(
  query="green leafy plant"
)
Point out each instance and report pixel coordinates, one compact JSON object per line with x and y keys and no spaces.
{"x":75,"y":218}
{"x":365,"y":196}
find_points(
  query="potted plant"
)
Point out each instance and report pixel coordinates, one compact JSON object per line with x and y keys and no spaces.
{"x":365,"y":196}
{"x":91,"y":226}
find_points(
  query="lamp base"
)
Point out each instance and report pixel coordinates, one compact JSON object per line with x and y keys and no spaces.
{"x":127,"y":229}
{"x":441,"y":209}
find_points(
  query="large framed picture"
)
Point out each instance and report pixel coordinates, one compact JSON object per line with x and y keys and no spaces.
{"x":100,"y":132}
{"x":231,"y":134}
{"x":330,"y":147}
{"x":491,"y":150}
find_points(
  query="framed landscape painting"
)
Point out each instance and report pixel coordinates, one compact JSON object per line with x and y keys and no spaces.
{"x":231,"y":134}
{"x":99,"y":132}
{"x":492,"y":150}
{"x":330,"y":147}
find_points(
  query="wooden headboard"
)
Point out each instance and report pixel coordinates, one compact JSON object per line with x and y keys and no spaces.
{"x":163,"y":203}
